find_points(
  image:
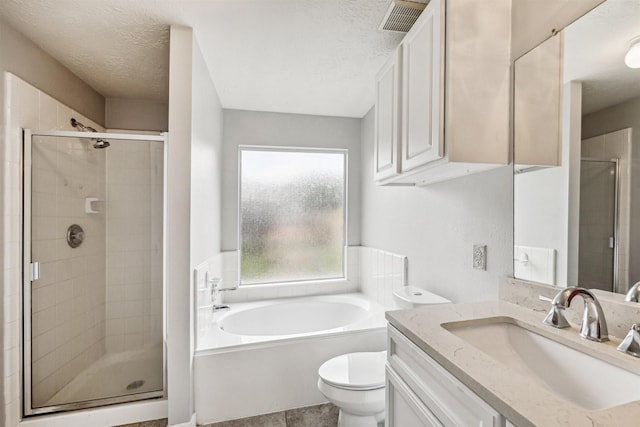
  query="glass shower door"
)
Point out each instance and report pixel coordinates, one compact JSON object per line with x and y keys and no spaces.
{"x":598,"y":224}
{"x":94,"y":275}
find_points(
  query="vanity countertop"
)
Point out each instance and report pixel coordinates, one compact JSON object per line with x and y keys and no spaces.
{"x":520,"y":400}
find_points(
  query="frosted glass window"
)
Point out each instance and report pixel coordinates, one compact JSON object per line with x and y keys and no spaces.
{"x":292,"y":215}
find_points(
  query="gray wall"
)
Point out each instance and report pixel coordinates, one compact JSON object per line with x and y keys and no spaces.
{"x":437,"y":225}
{"x":624,"y":115}
{"x":23,"y":58}
{"x":136,"y":114}
{"x":290,"y":130}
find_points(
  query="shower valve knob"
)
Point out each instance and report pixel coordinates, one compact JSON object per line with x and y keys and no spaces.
{"x":75,"y":235}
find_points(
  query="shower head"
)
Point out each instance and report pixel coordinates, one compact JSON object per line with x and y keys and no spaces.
{"x":99,"y":142}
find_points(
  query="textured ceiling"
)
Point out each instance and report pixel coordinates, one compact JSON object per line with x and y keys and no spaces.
{"x":297,"y":56}
{"x":595,"y":47}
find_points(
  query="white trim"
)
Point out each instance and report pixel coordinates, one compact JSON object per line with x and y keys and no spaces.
{"x":105,"y":416}
{"x":190,"y":423}
{"x":106,"y":135}
{"x":345,"y":201}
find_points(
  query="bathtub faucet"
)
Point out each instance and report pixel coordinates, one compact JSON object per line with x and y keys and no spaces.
{"x":215,"y":292}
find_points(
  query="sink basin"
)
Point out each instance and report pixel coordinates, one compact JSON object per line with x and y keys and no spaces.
{"x":577,"y":377}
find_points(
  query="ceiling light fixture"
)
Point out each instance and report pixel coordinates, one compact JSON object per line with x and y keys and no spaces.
{"x":632,"y":58}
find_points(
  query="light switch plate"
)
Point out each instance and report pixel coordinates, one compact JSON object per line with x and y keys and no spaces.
{"x":480,"y":257}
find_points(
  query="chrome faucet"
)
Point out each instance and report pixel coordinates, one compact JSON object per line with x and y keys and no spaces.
{"x":594,"y":325}
{"x":634,"y":293}
{"x":631,"y":343}
{"x":215,"y":292}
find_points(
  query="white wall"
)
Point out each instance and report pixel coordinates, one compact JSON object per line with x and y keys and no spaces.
{"x":179,"y":295}
{"x":290,"y":130}
{"x":436,"y":226}
{"x":540,"y":204}
{"x":193,"y":200}
{"x":206,"y":163}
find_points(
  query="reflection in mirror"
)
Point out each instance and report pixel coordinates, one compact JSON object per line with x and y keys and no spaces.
{"x":577,"y":174}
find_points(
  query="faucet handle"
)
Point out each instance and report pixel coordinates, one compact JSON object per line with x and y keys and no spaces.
{"x":633,"y":294}
{"x":555,"y":317}
{"x":631,"y":343}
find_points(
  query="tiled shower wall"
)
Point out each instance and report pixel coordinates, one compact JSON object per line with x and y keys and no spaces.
{"x":134,"y":245}
{"x":27,"y":107}
{"x":68,"y":300}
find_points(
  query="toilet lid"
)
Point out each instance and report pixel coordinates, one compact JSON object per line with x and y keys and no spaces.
{"x":419,"y":296}
{"x":355,"y":371}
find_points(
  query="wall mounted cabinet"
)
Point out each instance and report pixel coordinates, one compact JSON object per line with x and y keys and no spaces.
{"x":386,"y":162}
{"x":537,"y":109}
{"x":447,"y":112}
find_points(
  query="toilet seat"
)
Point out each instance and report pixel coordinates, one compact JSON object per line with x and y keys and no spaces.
{"x":355,"y":371}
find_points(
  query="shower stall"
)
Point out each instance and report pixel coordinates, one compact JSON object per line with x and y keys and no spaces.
{"x":93,"y":291}
{"x":599,"y":231}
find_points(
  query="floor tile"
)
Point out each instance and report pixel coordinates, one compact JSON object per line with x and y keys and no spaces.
{"x":313,"y":416}
{"x":153,"y":423}
{"x":269,"y":420}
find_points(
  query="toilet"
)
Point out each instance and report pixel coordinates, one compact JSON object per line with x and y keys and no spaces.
{"x":413,"y":297}
{"x":354,"y":382}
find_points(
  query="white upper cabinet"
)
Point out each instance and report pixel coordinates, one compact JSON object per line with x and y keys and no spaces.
{"x":387,"y":130}
{"x":422,"y":95}
{"x":447,"y":112}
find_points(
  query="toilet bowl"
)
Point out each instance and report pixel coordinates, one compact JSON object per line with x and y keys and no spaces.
{"x":413,"y":297}
{"x":354,"y":382}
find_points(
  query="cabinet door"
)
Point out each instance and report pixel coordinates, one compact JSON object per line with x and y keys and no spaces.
{"x":422,"y":94}
{"x":404,"y":409}
{"x":537,"y":131}
{"x":449,"y":400}
{"x":387,"y":143}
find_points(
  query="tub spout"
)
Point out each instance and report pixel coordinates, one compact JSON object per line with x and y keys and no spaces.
{"x":216,"y":290}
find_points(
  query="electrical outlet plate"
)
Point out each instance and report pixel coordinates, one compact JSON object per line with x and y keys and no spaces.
{"x":480,"y":257}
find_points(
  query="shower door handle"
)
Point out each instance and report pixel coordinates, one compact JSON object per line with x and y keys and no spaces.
{"x":35,"y":270}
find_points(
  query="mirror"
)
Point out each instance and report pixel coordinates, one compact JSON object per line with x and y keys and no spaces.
{"x":577,"y":154}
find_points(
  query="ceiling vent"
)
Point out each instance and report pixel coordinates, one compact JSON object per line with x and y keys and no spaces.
{"x":401,"y":15}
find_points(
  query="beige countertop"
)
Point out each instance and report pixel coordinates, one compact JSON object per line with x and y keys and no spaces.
{"x":522,"y":401}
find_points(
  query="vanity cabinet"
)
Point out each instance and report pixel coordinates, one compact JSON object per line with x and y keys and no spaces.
{"x":442,"y":100}
{"x":420,"y":392}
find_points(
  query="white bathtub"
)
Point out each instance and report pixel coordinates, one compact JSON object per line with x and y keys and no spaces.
{"x":271,"y":363}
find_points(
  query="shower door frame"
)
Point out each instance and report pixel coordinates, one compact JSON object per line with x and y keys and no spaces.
{"x":27,"y":271}
{"x":616,"y":215}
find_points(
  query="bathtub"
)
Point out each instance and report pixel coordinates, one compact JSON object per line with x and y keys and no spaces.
{"x":263,"y":357}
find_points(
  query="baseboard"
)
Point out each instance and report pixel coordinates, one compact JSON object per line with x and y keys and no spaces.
{"x":190,"y":423}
